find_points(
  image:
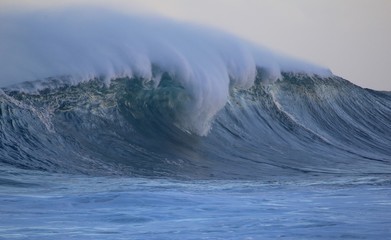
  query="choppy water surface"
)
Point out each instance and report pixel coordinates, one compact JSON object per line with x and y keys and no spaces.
{"x":77,"y":207}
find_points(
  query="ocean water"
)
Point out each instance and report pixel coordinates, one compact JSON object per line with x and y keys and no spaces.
{"x":79,"y":207}
{"x":118,"y":127}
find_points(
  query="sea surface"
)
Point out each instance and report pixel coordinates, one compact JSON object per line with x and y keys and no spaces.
{"x":78,"y":207}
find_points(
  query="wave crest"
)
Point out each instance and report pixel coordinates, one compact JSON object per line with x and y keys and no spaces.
{"x":87,"y":43}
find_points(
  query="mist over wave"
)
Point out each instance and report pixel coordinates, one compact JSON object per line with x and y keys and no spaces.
{"x":84,"y":43}
{"x":99,"y":92}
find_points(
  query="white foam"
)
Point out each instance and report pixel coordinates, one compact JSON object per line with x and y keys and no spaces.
{"x":84,"y":42}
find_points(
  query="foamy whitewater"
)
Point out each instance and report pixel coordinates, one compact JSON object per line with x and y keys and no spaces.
{"x":118,"y":126}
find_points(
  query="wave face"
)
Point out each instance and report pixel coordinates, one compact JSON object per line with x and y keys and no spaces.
{"x":300,"y":124}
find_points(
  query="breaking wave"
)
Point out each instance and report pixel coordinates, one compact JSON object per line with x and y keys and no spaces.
{"x":101,"y":93}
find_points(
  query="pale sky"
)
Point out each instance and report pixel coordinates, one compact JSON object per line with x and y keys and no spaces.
{"x":351,"y":37}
